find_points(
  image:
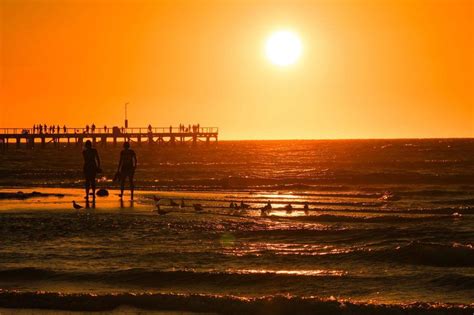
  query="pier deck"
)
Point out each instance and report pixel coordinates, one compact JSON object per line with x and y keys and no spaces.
{"x":30,"y":138}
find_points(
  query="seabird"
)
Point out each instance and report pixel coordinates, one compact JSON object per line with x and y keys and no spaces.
{"x":267,"y":207}
{"x":161,"y":212}
{"x":76,"y":206}
{"x":244,"y":205}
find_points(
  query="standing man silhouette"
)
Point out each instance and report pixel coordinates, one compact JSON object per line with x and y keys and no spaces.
{"x":91,"y":167}
{"x":126,"y":168}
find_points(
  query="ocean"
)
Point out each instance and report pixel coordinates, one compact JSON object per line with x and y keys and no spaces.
{"x":389,"y":229}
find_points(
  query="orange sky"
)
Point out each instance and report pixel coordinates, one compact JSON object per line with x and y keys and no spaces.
{"x":369,"y":69}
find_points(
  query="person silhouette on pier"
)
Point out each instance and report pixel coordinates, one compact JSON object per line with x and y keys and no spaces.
{"x":93,"y":128}
{"x":91,"y":167}
{"x":126,"y":168}
{"x":64,"y":129}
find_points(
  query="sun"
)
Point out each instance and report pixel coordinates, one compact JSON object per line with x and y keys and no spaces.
{"x":283,"y":48}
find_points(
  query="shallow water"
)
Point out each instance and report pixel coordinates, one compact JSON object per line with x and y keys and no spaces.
{"x":351,"y":247}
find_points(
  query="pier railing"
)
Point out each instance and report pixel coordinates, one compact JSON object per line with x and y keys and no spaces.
{"x":108,"y":131}
{"x":152,"y":135}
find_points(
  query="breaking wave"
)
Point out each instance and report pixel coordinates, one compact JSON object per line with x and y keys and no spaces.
{"x":217,"y":304}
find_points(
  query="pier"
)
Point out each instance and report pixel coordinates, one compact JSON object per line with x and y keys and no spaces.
{"x":30,"y":138}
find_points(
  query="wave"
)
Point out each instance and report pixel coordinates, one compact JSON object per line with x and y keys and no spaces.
{"x":301,"y":233}
{"x":220,"y":304}
{"x":158,"y":278}
{"x":211,"y":181}
{"x":454,"y":281}
{"x":348,"y":194}
{"x":455,"y":255}
{"x":420,"y":253}
{"x":438,"y":192}
{"x":462,"y":202}
{"x":414,"y":253}
{"x":304,"y":183}
{"x":442,"y":210}
{"x":372,"y":219}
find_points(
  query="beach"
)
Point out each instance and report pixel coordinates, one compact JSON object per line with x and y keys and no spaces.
{"x":389,"y":229}
{"x":237,"y":157}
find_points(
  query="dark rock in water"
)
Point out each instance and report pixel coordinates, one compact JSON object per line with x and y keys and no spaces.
{"x":102,"y":192}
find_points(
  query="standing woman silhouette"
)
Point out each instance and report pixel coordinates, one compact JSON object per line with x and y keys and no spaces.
{"x":91,"y":167}
{"x":126,"y":168}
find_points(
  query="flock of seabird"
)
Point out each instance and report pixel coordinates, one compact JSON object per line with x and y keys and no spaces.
{"x":264,"y":211}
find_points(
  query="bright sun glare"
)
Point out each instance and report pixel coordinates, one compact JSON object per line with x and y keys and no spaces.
{"x":283,"y":48}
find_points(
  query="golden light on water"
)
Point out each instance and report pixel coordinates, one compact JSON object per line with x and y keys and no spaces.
{"x":316,"y":272}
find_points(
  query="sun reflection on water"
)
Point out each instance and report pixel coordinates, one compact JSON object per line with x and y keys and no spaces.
{"x":317,"y":272}
{"x":260,"y":248}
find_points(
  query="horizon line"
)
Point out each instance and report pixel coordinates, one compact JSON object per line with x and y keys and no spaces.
{"x":363,"y":138}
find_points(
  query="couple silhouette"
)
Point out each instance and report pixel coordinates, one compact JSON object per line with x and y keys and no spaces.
{"x":126,"y":168}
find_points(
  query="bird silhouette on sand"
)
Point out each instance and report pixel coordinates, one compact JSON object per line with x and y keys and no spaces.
{"x":76,"y":206}
{"x":161,"y":211}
